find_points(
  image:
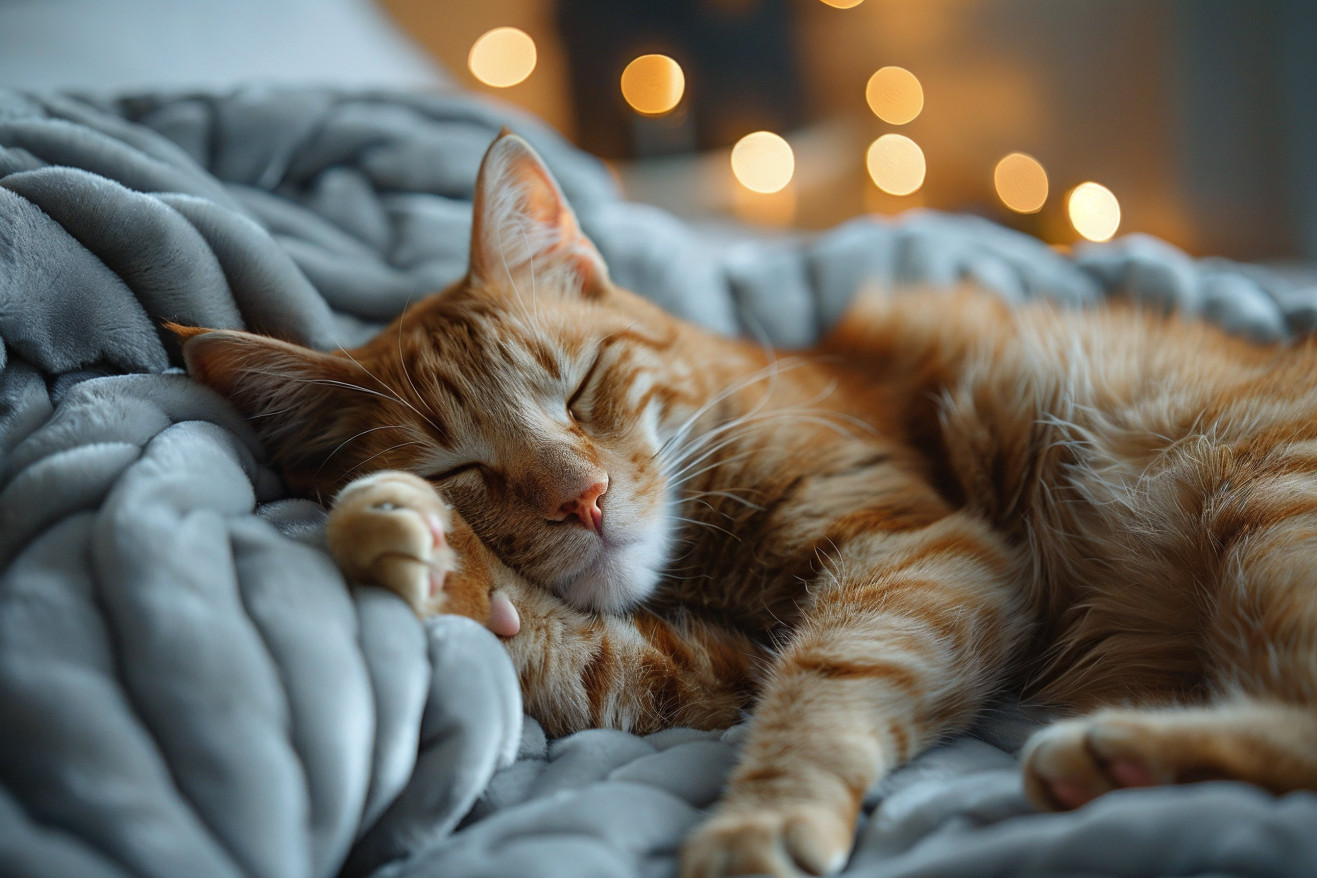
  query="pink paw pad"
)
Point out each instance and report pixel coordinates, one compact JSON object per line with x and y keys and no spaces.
{"x":1070,"y":794}
{"x":1128,"y":773}
{"x":436,"y":530}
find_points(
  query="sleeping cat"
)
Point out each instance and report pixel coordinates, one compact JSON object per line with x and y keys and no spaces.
{"x":1111,"y":513}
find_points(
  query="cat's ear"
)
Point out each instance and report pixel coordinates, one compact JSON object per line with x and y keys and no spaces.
{"x":524,"y":232}
{"x":299,"y":400}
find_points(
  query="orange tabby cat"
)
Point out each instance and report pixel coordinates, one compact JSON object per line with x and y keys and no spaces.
{"x":1113,"y":513}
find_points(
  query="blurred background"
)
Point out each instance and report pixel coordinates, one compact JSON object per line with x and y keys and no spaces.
{"x":1192,"y":120}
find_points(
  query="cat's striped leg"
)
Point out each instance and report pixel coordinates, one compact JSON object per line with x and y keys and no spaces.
{"x":638,"y":673}
{"x":1259,"y":722}
{"x":901,"y":647}
{"x":1270,"y":744}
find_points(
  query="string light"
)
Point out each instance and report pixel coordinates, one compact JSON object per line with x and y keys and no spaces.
{"x":1021,"y":183}
{"x":653,"y":84}
{"x":763,"y":161}
{"x":1094,"y":211}
{"x":502,"y":57}
{"x":896,"y":164}
{"x":895,"y":95}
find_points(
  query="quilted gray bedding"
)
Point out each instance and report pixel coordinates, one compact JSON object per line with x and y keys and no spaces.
{"x":188,"y":687}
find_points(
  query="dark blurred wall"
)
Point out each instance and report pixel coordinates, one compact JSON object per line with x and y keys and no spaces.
{"x":739,"y":57}
{"x":1248,"y":75}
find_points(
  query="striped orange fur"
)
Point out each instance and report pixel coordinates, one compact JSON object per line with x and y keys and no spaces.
{"x":1111,"y":512}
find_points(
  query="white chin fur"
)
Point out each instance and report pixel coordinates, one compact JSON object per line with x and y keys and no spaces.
{"x":622,"y":577}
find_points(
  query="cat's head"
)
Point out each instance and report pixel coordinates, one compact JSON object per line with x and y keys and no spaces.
{"x":535,"y":394}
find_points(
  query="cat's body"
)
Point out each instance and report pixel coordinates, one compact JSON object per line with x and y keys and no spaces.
{"x":866,"y":541}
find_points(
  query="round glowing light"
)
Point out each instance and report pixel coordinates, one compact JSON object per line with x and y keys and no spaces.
{"x":763,"y":161}
{"x":1094,"y":211}
{"x":653,"y":84}
{"x":843,"y":4}
{"x":1021,"y":183}
{"x":502,"y":57}
{"x":896,"y":164}
{"x":895,"y":95}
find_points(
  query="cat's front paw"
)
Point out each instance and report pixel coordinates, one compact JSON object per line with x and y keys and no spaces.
{"x":391,"y":529}
{"x":783,"y":841}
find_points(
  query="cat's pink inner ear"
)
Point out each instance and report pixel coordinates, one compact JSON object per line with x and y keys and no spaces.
{"x":503,"y":617}
{"x":523,"y":223}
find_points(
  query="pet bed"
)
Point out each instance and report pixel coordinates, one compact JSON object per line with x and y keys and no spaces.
{"x":187,"y":687}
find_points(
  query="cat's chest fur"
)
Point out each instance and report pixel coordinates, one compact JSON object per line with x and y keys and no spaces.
{"x":765,"y":523}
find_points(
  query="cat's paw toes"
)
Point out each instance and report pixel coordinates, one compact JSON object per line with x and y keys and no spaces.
{"x":1072,"y":762}
{"x":783,"y":842}
{"x":390,"y":529}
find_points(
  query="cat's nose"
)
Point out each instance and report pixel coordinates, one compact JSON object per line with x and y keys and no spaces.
{"x":586,"y":506}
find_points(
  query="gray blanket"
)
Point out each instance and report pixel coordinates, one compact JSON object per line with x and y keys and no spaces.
{"x":188,"y":687}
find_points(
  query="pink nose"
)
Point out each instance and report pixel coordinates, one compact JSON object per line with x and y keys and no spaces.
{"x":586,"y":507}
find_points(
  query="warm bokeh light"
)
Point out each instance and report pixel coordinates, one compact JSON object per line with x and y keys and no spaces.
{"x":653,"y":84}
{"x":773,"y":209}
{"x":502,"y":57}
{"x":896,"y":164}
{"x":1094,"y":211}
{"x":895,"y":95}
{"x":763,"y":161}
{"x":843,"y":4}
{"x":1021,"y":183}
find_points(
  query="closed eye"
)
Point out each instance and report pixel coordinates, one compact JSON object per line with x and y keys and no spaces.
{"x":453,"y":471}
{"x":574,"y":401}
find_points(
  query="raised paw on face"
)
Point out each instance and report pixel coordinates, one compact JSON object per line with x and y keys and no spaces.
{"x":391,"y":529}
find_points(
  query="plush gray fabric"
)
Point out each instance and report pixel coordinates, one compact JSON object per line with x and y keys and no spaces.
{"x":187,"y":687}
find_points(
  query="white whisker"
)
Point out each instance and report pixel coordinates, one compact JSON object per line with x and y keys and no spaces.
{"x":406,"y":373}
{"x":729,"y":495}
{"x":717,"y":463}
{"x":358,"y":435}
{"x":769,"y":371}
{"x":534,"y":300}
{"x":392,"y":393}
{"x":707,"y":524}
{"x":382,"y":452}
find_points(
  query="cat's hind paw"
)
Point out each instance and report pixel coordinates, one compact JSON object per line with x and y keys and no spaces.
{"x":785,"y":842}
{"x":1071,"y":762}
{"x":390,"y":529}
